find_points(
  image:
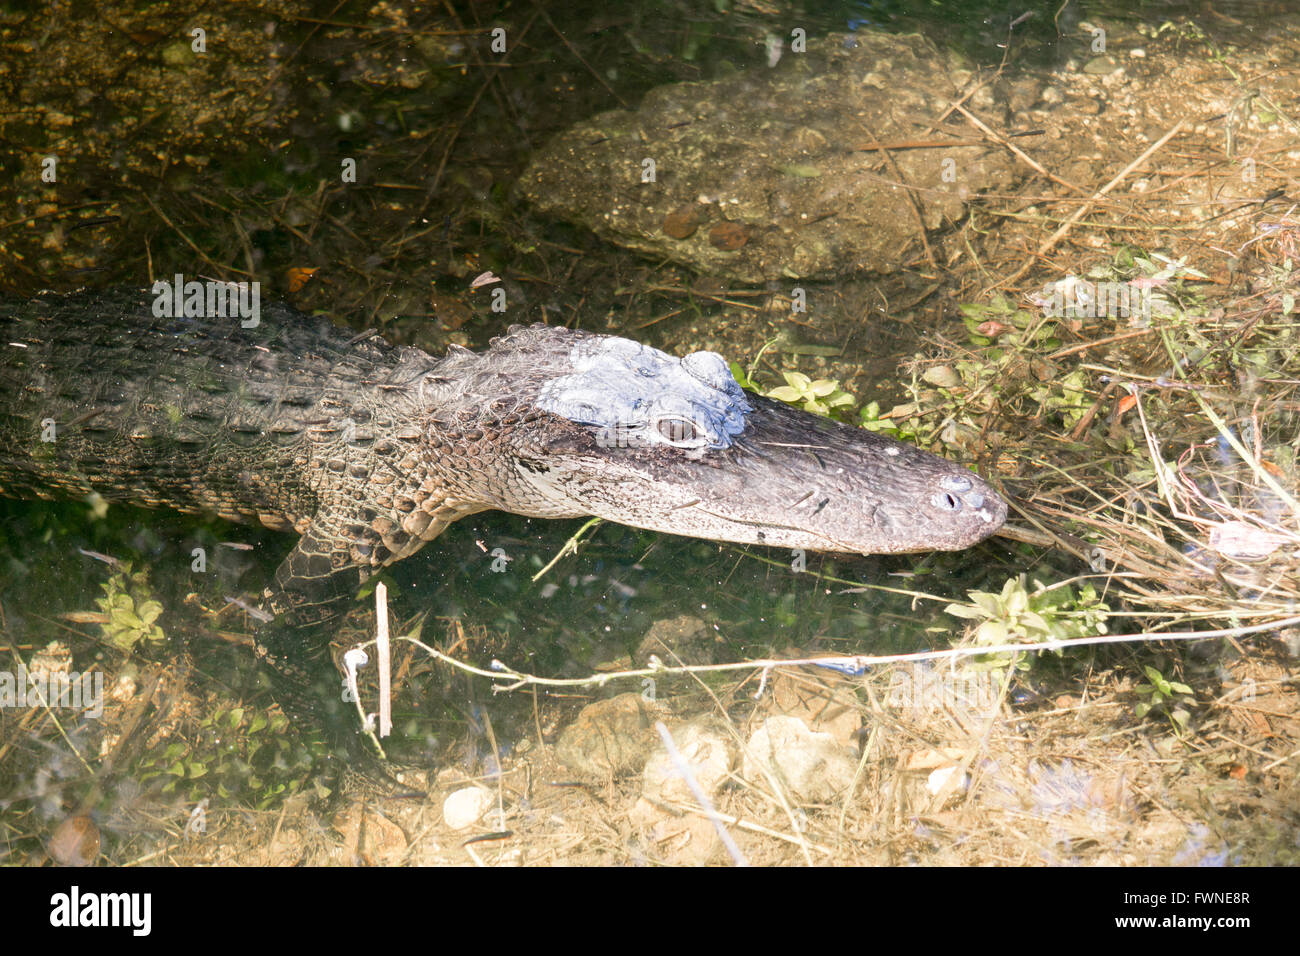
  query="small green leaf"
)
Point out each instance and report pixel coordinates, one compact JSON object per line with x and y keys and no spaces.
{"x":785,"y":393}
{"x":992,"y":632}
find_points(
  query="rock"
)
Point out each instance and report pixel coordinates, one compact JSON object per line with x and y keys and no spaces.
{"x":52,"y":661}
{"x":609,"y":738}
{"x":812,"y":766}
{"x":706,"y":749}
{"x":824,"y":707}
{"x":678,"y":840}
{"x":75,"y":842}
{"x":463,"y":808}
{"x":684,"y":638}
{"x":369,"y":837}
{"x":947,"y":780}
{"x":772,"y":174}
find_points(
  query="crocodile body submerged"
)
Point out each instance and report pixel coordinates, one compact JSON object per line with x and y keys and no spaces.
{"x":368,"y":450}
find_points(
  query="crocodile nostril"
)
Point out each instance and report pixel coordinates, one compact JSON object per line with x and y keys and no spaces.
{"x":946,"y":502}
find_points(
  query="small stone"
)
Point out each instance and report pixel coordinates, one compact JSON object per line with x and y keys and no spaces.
{"x":684,"y":638}
{"x":369,"y":838}
{"x":940,"y":779}
{"x":687,"y":840}
{"x":812,"y":766}
{"x":682,"y":222}
{"x":728,"y":236}
{"x":75,"y":842}
{"x":1101,"y":66}
{"x":463,"y":808}
{"x":823,"y":705}
{"x":53,"y":659}
{"x":706,"y":751}
{"x":608,"y":738}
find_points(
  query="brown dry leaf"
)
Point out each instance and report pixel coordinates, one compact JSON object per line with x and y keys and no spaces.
{"x":299,"y":276}
{"x":369,"y":837}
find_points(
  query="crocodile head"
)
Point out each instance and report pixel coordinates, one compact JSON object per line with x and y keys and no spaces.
{"x":608,"y":427}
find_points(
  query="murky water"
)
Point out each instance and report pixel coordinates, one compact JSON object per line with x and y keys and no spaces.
{"x":260,"y":199}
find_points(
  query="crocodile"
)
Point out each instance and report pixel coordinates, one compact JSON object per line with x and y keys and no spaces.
{"x":369,"y":450}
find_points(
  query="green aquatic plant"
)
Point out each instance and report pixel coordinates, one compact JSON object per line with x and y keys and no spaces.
{"x":820,"y":396}
{"x":869,"y":418}
{"x":241,"y":753}
{"x":743,"y":378}
{"x":131,"y":609}
{"x":1163,"y":696}
{"x":1020,"y":616}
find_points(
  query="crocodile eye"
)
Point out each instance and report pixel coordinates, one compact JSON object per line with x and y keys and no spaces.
{"x":678,"y":431}
{"x":946,"y":502}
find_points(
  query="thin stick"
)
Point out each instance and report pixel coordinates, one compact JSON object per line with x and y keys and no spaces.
{"x":697,"y":791}
{"x":384,"y":660}
{"x":854,"y":664}
{"x":1023,"y":156}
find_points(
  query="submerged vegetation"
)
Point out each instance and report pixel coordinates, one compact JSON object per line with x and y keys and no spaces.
{"x":1131,"y":384}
